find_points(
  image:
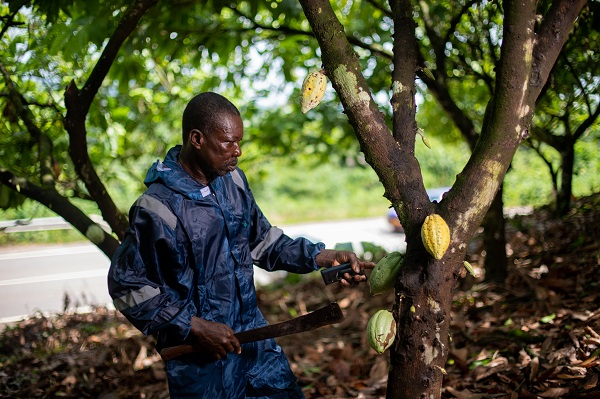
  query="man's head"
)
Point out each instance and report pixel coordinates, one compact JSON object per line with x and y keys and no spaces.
{"x":212,"y":129}
{"x":204,"y":112}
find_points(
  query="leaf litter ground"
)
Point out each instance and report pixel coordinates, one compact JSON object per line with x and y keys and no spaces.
{"x":536,"y":336}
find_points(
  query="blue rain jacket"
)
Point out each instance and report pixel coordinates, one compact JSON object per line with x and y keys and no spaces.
{"x":190,"y":251}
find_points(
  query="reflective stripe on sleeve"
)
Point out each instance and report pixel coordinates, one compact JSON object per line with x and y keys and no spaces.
{"x":272,"y":236}
{"x":135,"y":297}
{"x":157,"y":207}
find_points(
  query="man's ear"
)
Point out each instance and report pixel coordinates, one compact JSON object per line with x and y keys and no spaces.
{"x":196,"y":138}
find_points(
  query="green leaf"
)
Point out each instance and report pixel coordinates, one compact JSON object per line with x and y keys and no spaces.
{"x":344,"y":246}
{"x":548,"y":319}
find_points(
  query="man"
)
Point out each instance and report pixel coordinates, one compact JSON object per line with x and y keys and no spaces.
{"x":184,"y":271}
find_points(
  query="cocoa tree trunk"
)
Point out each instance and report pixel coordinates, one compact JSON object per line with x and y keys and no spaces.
{"x":563,"y":197}
{"x":424,"y":296}
{"x":494,"y":241}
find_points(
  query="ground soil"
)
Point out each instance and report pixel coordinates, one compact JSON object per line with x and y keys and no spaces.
{"x":535,"y":336}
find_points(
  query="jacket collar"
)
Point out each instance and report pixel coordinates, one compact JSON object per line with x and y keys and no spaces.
{"x":172,"y":175}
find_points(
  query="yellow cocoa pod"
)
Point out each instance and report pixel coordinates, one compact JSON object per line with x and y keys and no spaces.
{"x":313,"y":90}
{"x":381,"y":330}
{"x":435,"y":234}
{"x":383,"y":275}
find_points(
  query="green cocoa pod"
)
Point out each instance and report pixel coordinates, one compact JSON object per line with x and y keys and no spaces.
{"x":381,"y":330}
{"x":383,"y":276}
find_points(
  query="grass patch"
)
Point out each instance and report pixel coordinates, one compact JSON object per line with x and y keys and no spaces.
{"x":41,"y":237}
{"x":326,"y":192}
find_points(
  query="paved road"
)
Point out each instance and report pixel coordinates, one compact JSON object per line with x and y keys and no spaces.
{"x":38,"y":279}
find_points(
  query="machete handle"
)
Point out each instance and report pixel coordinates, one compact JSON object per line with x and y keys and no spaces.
{"x":326,"y":315}
{"x":336,"y":273}
{"x":172,"y":352}
{"x":176,"y":351}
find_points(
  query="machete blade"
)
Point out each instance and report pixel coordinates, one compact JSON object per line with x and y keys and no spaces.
{"x":324,"y":316}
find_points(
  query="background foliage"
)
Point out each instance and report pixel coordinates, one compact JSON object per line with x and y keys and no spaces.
{"x":256,"y":53}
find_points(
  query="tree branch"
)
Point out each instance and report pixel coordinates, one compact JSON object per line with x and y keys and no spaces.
{"x":78,"y":103}
{"x":456,"y":19}
{"x":127,"y":24}
{"x":394,"y":162}
{"x":287,"y":30}
{"x":438,"y":87}
{"x":403,"y":75}
{"x":458,"y":116}
{"x":505,"y":124}
{"x":548,"y":162}
{"x":380,"y":7}
{"x":8,"y":21}
{"x":578,"y":81}
{"x":543,"y":135}
{"x":552,"y":36}
{"x":59,"y":204}
{"x":437,"y":44}
{"x":589,"y":121}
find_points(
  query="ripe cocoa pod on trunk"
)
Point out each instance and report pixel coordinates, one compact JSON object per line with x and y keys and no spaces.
{"x":313,"y":90}
{"x":435,"y":234}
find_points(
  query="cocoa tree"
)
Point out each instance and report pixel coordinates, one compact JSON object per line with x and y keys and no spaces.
{"x":77,"y":103}
{"x":568,"y":108}
{"x":424,"y":286}
{"x":461,"y":59}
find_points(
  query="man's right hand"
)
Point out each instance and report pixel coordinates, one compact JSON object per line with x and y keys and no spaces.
{"x":216,"y":338}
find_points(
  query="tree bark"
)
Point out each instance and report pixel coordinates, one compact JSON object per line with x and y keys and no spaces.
{"x":563,"y":197}
{"x":494,"y":222}
{"x":494,"y":241}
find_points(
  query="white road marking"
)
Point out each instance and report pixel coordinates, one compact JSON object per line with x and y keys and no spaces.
{"x":56,"y":277}
{"x":84,"y":249}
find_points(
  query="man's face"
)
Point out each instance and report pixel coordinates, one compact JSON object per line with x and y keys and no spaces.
{"x":220,"y":148}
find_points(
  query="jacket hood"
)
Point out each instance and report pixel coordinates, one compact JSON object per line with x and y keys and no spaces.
{"x":172,"y":175}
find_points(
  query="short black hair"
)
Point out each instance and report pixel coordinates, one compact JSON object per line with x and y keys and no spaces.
{"x":203,"y":113}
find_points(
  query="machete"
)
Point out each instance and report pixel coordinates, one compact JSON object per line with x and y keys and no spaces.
{"x":324,"y":316}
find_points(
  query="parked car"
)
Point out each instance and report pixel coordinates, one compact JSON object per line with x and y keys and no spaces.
{"x":435,"y":194}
